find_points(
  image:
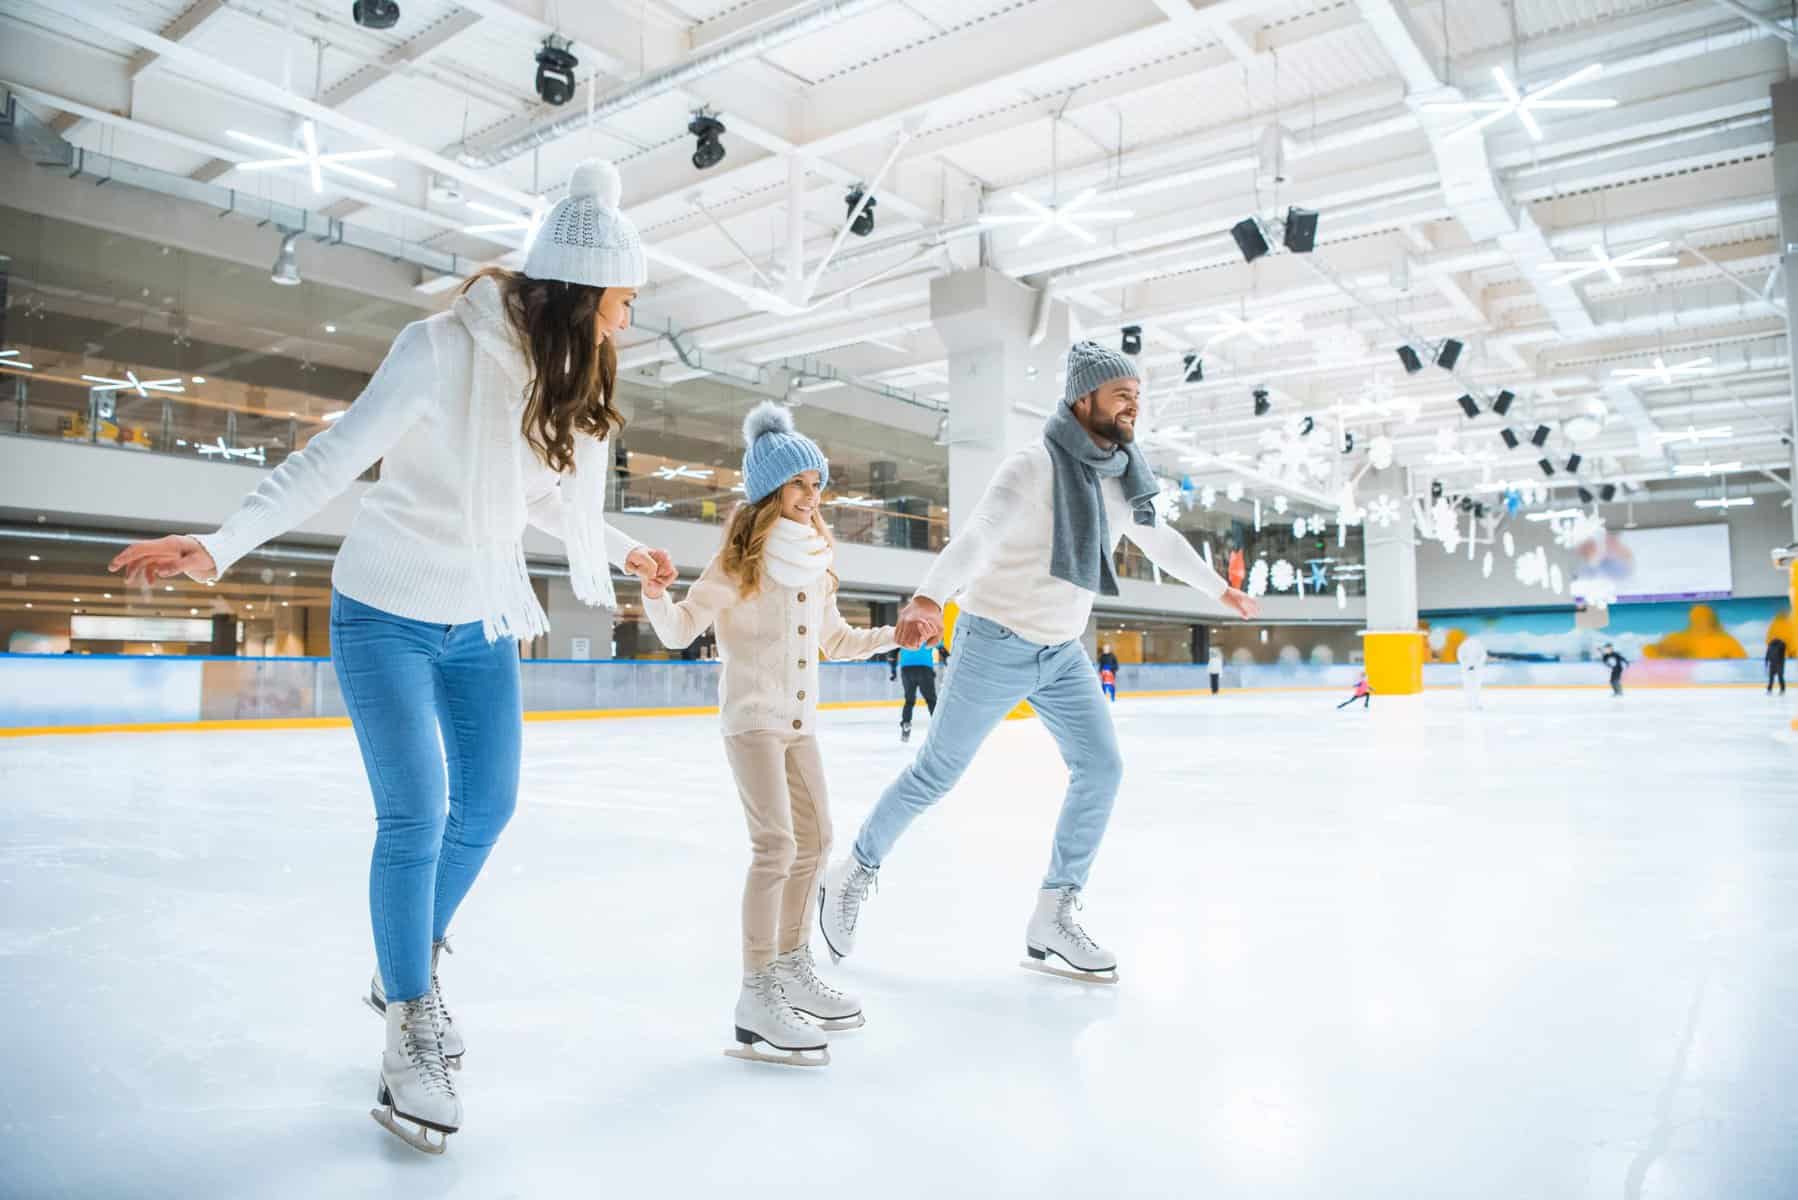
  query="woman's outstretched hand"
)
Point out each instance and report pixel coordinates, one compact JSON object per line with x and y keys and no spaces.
{"x":654,"y":567}
{"x":163,"y":558}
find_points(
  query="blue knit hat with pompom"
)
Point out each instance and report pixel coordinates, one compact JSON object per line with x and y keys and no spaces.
{"x":777,"y":451}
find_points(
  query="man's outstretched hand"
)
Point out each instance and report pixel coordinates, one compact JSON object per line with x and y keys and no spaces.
{"x":1241,"y":603}
{"x":920,"y":623}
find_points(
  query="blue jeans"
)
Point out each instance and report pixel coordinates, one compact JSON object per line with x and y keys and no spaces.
{"x":420,"y":694}
{"x":991,"y":670}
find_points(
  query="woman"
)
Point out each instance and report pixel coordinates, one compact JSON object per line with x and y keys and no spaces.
{"x":771,"y":593}
{"x":486,"y":417}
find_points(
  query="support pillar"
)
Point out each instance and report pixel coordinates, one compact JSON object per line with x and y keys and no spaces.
{"x":1392,"y":642}
{"x":570,"y":619}
{"x":1785,"y":188}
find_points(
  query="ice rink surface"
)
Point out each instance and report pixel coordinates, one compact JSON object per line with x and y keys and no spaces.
{"x":1544,"y":952}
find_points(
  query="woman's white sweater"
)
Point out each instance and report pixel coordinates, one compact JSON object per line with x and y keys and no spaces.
{"x":410,"y":550}
{"x":769,"y":643}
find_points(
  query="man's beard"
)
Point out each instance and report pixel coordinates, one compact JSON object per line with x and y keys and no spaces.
{"x":1123,"y":435}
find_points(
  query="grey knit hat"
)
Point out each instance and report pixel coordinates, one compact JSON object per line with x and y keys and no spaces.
{"x":777,"y":452}
{"x":584,"y":238}
{"x":1090,"y":366}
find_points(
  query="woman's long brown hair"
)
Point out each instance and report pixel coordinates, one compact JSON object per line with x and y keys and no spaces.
{"x":573,"y":375}
{"x":746,"y":539}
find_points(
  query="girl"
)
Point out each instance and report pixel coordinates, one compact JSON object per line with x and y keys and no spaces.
{"x":1363,"y":693}
{"x":485,"y":417}
{"x":771,"y":593}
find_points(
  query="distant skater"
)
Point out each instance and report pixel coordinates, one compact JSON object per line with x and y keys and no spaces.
{"x":1776,"y":665}
{"x":1215,"y":668}
{"x":1616,"y":662}
{"x":1108,"y":673}
{"x":1472,"y":658}
{"x":1363,"y":693}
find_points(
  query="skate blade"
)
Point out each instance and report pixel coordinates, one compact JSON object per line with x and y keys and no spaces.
{"x":418,"y":1137}
{"x":782,"y":1058}
{"x":373,"y":1007}
{"x":1105,"y":977}
{"x":835,"y":1024}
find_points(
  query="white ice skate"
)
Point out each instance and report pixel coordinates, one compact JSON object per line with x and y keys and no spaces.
{"x":840,"y":899}
{"x":1054,"y":931}
{"x":764,"y":1017}
{"x":416,"y":1094}
{"x":905,"y":733}
{"x":450,"y":1035}
{"x":811,"y":997}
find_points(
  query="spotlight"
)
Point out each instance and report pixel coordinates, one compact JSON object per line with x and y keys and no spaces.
{"x":1540,"y":437}
{"x":286,"y":270}
{"x":1301,"y":230}
{"x":375,"y":14}
{"x":1548,"y":468}
{"x":1502,"y":404}
{"x":708,"y":129}
{"x":1250,"y":238}
{"x":1608,"y":492}
{"x":1130,"y":339}
{"x":1468,"y":404}
{"x":1262,"y":402}
{"x":1195,"y":368}
{"x":1348,"y":443}
{"x":1479,"y":510}
{"x":1448,"y":354}
{"x":1585,"y":497}
{"x":1573,"y":461}
{"x":555,"y":71}
{"x":1306,"y":426}
{"x":1435,"y":489}
{"x":1466,"y":504}
{"x":1408,"y":356}
{"x":864,"y":224}
{"x":1511,"y":439}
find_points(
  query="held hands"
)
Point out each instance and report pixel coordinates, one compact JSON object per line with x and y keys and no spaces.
{"x":1241,"y":603}
{"x":920,"y":623}
{"x":654,"y":568}
{"x":163,"y":558}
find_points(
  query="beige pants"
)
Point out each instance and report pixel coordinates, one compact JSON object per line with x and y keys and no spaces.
{"x":781,"y":780}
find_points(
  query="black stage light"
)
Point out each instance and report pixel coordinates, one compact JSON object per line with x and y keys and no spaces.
{"x":1250,"y":239}
{"x":1448,"y":354}
{"x":1408,"y":356}
{"x":710,"y":151}
{"x":1548,"y":468}
{"x":1435,"y":489}
{"x":1510,"y":436}
{"x":1479,"y":510}
{"x":1573,"y":461}
{"x":1130,"y":339}
{"x":555,"y":71}
{"x":1195,"y":368}
{"x":1468,"y":404}
{"x":1262,"y":402}
{"x":1306,"y":426}
{"x":375,"y":14}
{"x":1467,"y":504}
{"x":1502,"y":404}
{"x":1301,"y":230}
{"x":1540,"y":437}
{"x":1585,"y":497}
{"x":864,"y":224}
{"x":1348,"y":443}
{"x":1608,"y":492}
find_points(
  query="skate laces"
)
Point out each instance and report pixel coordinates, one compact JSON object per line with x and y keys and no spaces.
{"x":767,"y":989}
{"x":421,"y":1045}
{"x":855,"y":890}
{"x":1064,"y":920}
{"x":805,"y":973}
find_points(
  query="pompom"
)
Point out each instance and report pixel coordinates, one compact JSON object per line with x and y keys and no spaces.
{"x":597,"y":179}
{"x":766,"y":417}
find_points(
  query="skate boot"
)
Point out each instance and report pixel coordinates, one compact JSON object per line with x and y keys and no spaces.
{"x":1054,"y":931}
{"x":416,"y":1095}
{"x":905,"y":732}
{"x":764,"y":1018}
{"x":840,"y":899}
{"x":448,"y":1033}
{"x":811,"y":997}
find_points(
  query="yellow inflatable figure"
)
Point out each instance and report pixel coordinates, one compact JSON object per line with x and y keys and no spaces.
{"x":1703,"y":637}
{"x":1783,"y":628}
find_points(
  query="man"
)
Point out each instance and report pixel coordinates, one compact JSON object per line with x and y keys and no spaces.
{"x":1027,"y":565}
{"x":1616,"y":662}
{"x":1214,"y":667}
{"x":1776,"y":664}
{"x":918,"y":665}
{"x":1471,"y":654}
{"x":1108,"y":672}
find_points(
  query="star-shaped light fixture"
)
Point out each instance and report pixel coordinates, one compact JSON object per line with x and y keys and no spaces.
{"x":1264,"y":330}
{"x":1602,"y":260}
{"x":1664,"y":373}
{"x":505,"y":222}
{"x":1066,"y":217}
{"x":1520,"y":104}
{"x":142,"y":387}
{"x":10,"y":358}
{"x":683,"y":472}
{"x":310,"y":156}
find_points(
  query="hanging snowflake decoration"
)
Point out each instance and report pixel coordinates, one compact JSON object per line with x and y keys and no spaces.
{"x":1486,"y":566}
{"x":1207,"y":496}
{"x":1510,"y":545}
{"x":1379,"y":452}
{"x":1280,"y":504}
{"x":1347,"y":511}
{"x":1448,"y":535}
{"x":1447,"y":444}
{"x":1594,"y":590}
{"x":1529,"y":570}
{"x":1167,"y":502}
{"x":1300,"y":527}
{"x":1555,"y":579}
{"x":1234,"y":491}
{"x":1282,"y":577}
{"x":1258,"y":578}
{"x":1442,"y":523}
{"x":1383,"y":512}
{"x":1577,"y":531}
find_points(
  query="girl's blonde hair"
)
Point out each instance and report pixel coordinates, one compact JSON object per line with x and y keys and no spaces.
{"x":746,"y":540}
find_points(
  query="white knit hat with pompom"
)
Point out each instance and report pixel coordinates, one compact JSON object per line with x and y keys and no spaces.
{"x":584,"y":238}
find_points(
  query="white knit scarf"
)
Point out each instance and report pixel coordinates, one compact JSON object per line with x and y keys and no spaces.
{"x":796,"y":555}
{"x":494,"y":503}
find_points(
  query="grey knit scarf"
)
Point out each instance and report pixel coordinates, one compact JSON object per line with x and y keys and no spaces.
{"x":1081,"y":553}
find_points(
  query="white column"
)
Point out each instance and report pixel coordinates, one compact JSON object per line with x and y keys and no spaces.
{"x":1785,"y":186}
{"x":1391,"y":558}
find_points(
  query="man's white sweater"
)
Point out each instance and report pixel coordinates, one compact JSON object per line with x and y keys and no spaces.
{"x":999,"y":563}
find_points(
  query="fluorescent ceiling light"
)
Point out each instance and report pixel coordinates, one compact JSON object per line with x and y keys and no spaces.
{"x":1707,"y":468}
{"x":1726,"y":502}
{"x":309,"y":156}
{"x":1522,"y":105}
{"x":1553,"y":514}
{"x":1663,"y":373}
{"x":856,"y":501}
{"x":658,"y":506}
{"x":1045,"y":217}
{"x":142,"y":387}
{"x":504,"y":222}
{"x":335,"y":414}
{"x":1579,"y":268}
{"x":1693,"y":434}
{"x":822,"y":385}
{"x":10,"y":358}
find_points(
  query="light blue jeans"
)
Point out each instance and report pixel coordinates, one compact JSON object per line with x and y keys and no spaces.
{"x":991,"y":670}
{"x":420,"y":695}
